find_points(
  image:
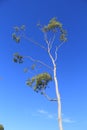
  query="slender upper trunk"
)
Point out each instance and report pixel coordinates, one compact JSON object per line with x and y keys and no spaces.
{"x":57,"y":91}
{"x":58,"y":101}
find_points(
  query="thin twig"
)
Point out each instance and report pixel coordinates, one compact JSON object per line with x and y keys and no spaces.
{"x":38,"y":61}
{"x":36,"y":43}
{"x":45,"y":37}
{"x":60,"y":45}
{"x":56,"y":53}
{"x":50,"y":99}
{"x":51,"y":42}
{"x":48,"y":49}
{"x":57,"y":48}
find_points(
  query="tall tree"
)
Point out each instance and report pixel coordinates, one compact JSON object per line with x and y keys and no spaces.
{"x":39,"y":82}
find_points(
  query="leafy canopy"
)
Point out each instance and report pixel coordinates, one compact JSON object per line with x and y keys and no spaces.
{"x":54,"y":26}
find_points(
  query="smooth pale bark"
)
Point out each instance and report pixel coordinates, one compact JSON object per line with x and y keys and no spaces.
{"x":58,"y":101}
{"x":57,"y":91}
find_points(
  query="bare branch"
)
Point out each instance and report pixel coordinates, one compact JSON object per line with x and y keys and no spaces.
{"x":46,"y":39}
{"x":50,"y":99}
{"x":38,"y":61}
{"x":57,"y":47}
{"x":56,"y":53}
{"x":51,"y":42}
{"x":60,"y":45}
{"x":48,"y":50}
{"x":36,"y":43}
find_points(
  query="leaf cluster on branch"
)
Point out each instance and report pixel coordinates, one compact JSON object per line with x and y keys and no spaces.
{"x":39,"y":82}
{"x":54,"y":26}
{"x":16,"y":36}
{"x":18,"y":58}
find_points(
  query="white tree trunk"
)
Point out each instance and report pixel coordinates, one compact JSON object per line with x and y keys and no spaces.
{"x":59,"y":100}
{"x":57,"y":91}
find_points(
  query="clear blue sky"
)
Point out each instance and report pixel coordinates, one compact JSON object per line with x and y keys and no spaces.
{"x":20,"y":107}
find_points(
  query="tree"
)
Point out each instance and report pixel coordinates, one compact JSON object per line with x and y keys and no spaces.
{"x":1,"y":127}
{"x":40,"y":82}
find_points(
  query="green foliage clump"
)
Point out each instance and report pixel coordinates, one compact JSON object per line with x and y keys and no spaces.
{"x":1,"y":127}
{"x":63,"y":35}
{"x":53,"y":23}
{"x":18,"y":58}
{"x":16,"y":36}
{"x":54,"y":26}
{"x":39,"y":82}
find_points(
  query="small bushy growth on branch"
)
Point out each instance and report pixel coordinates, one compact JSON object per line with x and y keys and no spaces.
{"x":18,"y":58}
{"x":39,"y":82}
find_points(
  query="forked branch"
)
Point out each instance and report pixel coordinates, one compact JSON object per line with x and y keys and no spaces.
{"x":56,"y":50}
{"x":50,"y":99}
{"x":52,"y":41}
